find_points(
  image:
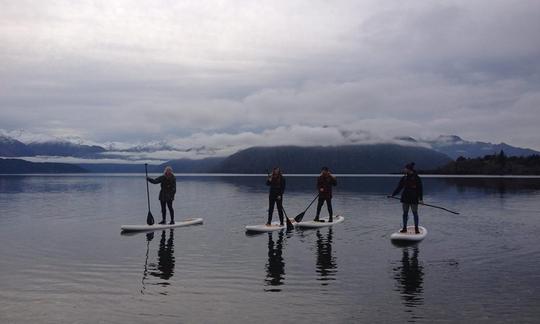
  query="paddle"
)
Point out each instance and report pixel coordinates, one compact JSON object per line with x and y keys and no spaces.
{"x":290,"y":226}
{"x":299,"y":217}
{"x":448,"y":210}
{"x":149,"y":218}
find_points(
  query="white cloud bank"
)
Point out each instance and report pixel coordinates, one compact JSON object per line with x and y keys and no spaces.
{"x":242,"y":73}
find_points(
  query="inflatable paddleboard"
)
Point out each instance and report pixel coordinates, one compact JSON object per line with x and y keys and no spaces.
{"x":323,"y":223}
{"x":410,"y":236}
{"x":263,"y":228}
{"x":156,"y":227}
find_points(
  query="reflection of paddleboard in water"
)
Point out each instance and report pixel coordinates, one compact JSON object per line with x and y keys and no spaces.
{"x":410,"y":235}
{"x":263,"y":228}
{"x":323,"y":223}
{"x":155,"y":227}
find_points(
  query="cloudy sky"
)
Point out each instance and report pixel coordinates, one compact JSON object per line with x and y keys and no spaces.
{"x":239,"y":72}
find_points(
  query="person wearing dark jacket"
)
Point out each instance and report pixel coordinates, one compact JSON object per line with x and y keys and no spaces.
{"x":167,"y":192}
{"x":412,"y":194}
{"x":325,"y":182}
{"x":276,"y":181}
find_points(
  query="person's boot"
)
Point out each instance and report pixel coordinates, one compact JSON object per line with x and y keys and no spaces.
{"x":316,"y":219}
{"x":330,"y":219}
{"x":162,"y":222}
{"x":403,"y":230}
{"x":172,"y":221}
{"x":416,"y":230}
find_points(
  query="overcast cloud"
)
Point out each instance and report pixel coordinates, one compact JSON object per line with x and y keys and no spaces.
{"x":232,"y":74}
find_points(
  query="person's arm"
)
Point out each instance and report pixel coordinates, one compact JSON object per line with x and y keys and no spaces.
{"x":283,"y":185}
{"x":420,"y":189}
{"x":174,"y":186}
{"x":399,"y":187}
{"x":334,"y":180}
{"x":156,"y":180}
{"x":320,"y":185}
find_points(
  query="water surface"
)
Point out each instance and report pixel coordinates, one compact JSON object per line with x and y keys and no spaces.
{"x":65,"y":261}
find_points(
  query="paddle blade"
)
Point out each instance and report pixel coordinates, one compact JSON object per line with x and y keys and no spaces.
{"x":290,"y":225}
{"x":298,"y":218}
{"x":150,"y":219}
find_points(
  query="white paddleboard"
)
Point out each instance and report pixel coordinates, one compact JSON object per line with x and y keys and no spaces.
{"x":324,"y":222}
{"x":156,"y":227}
{"x":410,"y":235}
{"x":263,"y":228}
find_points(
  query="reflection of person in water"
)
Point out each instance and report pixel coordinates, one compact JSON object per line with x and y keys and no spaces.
{"x":275,"y":268}
{"x":326,"y":263}
{"x":410,"y":278}
{"x":165,"y":266}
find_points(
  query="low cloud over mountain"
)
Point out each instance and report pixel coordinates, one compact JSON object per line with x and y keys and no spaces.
{"x":204,"y":145}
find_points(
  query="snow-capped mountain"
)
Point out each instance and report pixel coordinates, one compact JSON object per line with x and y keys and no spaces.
{"x":454,"y":146}
{"x":12,"y":147}
{"x":21,"y":143}
{"x":28,"y":144}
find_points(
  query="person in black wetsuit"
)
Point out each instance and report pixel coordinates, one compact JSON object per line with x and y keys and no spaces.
{"x":325,"y":182}
{"x":412,"y":194}
{"x":167,"y":192}
{"x":276,"y":181}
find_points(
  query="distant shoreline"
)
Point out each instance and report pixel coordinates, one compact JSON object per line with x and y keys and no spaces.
{"x":345,"y":175}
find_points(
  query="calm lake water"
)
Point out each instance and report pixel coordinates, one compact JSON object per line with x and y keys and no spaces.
{"x":63,"y":259}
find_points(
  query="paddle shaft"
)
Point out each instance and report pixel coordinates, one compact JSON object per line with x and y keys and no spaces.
{"x":290,"y":225}
{"x":300,"y":216}
{"x":311,"y":203}
{"x":147,"y":190}
{"x":428,"y":205}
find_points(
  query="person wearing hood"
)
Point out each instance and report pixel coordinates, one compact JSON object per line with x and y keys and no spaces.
{"x":412,"y":195}
{"x":167,"y":192}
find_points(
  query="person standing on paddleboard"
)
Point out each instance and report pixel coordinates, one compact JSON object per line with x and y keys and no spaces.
{"x":412,"y":194}
{"x":325,"y":182}
{"x":276,"y":181}
{"x":167,"y":192}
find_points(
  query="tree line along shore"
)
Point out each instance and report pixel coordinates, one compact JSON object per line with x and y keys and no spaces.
{"x":496,"y":164}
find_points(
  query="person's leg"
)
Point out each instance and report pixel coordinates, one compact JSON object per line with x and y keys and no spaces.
{"x":280,"y":210}
{"x":319,"y":206}
{"x":405,"y":216}
{"x":414,"y":208}
{"x":330,"y":212}
{"x":163,"y":211}
{"x":171,"y":210}
{"x":271,"y":203}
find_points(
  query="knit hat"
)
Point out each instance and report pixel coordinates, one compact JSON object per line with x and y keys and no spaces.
{"x":410,"y":166}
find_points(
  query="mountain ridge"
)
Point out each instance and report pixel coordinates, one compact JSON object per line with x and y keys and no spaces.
{"x":14,"y":166}
{"x":201,"y":158}
{"x":362,"y":158}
